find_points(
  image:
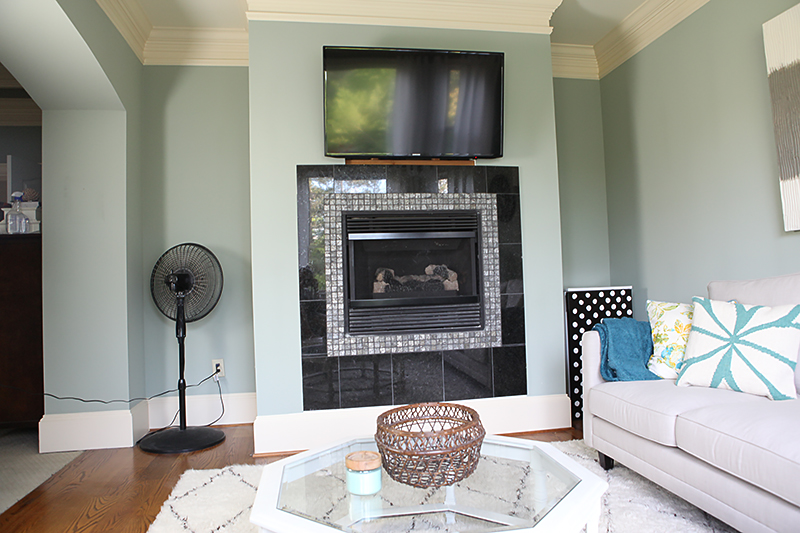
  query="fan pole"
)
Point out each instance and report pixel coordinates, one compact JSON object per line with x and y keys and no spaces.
{"x":183,"y":439}
{"x":180,"y":333}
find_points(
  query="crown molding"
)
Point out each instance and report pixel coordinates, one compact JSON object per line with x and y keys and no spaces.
{"x":131,"y":22}
{"x":575,"y":61}
{"x":520,"y":16}
{"x":197,"y":46}
{"x":211,"y":46}
{"x":650,"y":21}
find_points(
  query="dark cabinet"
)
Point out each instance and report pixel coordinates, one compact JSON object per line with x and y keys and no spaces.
{"x":21,"y":352}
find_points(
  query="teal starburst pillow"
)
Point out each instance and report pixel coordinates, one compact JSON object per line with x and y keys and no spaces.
{"x":745,"y":348}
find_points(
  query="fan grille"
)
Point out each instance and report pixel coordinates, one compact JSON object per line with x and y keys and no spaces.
{"x":203,"y":269}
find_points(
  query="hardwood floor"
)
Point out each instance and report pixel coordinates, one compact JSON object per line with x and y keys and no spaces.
{"x":121,"y":490}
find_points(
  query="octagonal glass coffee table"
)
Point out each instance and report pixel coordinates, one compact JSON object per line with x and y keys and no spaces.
{"x":519,"y":485}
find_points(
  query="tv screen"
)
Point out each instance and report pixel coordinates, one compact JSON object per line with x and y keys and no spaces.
{"x":405,"y":103}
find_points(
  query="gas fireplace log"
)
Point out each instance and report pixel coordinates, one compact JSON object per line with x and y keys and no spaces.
{"x":437,"y":278}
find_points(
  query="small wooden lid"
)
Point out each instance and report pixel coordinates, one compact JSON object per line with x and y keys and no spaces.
{"x":363,"y":460}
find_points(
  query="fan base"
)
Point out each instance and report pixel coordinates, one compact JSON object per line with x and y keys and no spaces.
{"x":176,"y":440}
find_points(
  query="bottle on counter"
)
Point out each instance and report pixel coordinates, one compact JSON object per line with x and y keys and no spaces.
{"x":16,"y":220}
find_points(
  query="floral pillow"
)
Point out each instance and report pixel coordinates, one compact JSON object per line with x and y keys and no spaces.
{"x":670,"y":324}
{"x":745,"y":348}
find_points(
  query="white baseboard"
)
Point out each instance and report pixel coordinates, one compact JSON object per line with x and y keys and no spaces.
{"x":87,"y":431}
{"x":123,"y":428}
{"x":276,"y":433}
{"x":202,"y":409}
{"x":312,"y":429}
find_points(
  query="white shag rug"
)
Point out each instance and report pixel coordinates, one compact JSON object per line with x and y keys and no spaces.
{"x":220,"y":501}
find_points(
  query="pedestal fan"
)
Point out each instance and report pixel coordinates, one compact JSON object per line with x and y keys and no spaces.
{"x":186,"y":284}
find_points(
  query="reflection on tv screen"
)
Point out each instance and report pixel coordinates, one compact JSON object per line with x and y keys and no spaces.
{"x":413,"y":103}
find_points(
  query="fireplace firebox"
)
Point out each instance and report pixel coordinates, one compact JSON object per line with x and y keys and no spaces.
{"x":412,"y":272}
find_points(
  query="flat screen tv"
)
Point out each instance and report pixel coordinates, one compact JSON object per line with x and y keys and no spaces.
{"x":391,"y":103}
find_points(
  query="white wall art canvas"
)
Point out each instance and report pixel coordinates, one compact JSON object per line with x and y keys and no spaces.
{"x":782,"y":47}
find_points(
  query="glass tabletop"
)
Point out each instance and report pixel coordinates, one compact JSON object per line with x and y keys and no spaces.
{"x":513,"y":487}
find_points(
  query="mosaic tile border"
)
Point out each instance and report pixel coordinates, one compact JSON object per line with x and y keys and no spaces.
{"x":341,"y":344}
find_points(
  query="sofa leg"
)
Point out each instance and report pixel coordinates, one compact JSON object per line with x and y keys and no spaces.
{"x":606,"y":462}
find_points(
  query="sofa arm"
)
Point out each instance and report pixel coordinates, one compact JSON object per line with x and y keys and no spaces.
{"x":590,"y":368}
{"x":590,"y":360}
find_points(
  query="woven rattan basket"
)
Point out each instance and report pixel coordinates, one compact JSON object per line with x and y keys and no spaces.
{"x":430,"y":444}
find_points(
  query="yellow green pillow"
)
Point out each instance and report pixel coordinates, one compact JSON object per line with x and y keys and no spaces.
{"x":670,"y":324}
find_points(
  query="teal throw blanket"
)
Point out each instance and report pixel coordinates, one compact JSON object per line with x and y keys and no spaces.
{"x":625,"y":347}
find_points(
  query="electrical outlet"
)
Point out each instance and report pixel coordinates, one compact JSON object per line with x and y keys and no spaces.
{"x":218,"y":365}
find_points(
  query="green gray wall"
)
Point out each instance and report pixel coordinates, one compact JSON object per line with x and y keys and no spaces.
{"x":286,"y":130}
{"x":81,"y":73}
{"x":135,"y":159}
{"x":196,"y":188}
{"x":86,"y":328}
{"x":691,"y":167}
{"x":582,"y":183}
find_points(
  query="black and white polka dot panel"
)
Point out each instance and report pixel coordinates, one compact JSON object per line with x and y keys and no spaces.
{"x":584,"y":309}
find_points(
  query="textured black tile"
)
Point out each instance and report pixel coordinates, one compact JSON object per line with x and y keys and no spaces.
{"x":312,"y":182}
{"x":310,"y":286}
{"x":411,"y":179}
{"x":467,"y":374}
{"x":359,"y":172}
{"x":313,"y":350}
{"x":304,"y":172}
{"x":510,"y":377}
{"x":502,"y":180}
{"x":417,"y":377}
{"x":509,"y":229}
{"x":512,"y":312}
{"x":510,"y":266}
{"x":320,"y":383}
{"x":463,"y":179}
{"x":313,"y":326}
{"x":365,"y":380}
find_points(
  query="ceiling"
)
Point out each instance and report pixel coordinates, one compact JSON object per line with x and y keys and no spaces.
{"x":587,"y":21}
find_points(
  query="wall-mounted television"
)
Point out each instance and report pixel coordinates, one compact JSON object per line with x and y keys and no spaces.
{"x":391,"y":103}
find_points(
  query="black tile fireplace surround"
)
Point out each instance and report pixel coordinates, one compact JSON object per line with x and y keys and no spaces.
{"x":398,"y":378}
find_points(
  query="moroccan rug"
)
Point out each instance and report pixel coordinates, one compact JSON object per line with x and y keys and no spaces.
{"x":220,"y":501}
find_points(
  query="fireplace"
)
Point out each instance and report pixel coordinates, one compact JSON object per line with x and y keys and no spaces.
{"x":412,"y":272}
{"x":342,"y":369}
{"x":362,"y":320}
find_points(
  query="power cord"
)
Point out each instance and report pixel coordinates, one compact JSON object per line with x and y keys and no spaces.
{"x":132,"y":399}
{"x":75,"y":398}
{"x":221,"y":402}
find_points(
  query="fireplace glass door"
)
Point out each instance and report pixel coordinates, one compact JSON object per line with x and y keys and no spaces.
{"x":412,"y":271}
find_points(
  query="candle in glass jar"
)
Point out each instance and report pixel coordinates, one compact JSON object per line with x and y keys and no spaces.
{"x":363,"y":472}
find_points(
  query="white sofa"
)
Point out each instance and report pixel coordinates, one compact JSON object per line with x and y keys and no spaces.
{"x":734,"y":455}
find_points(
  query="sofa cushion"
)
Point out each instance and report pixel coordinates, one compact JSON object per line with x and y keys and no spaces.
{"x":746,"y":348}
{"x":778,"y":290}
{"x":650,"y":408}
{"x":755,"y":441}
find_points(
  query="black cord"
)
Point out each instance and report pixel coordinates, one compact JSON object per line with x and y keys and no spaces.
{"x":106,"y":401}
{"x":221,"y":403}
{"x":171,"y":424}
{"x":219,"y":387}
